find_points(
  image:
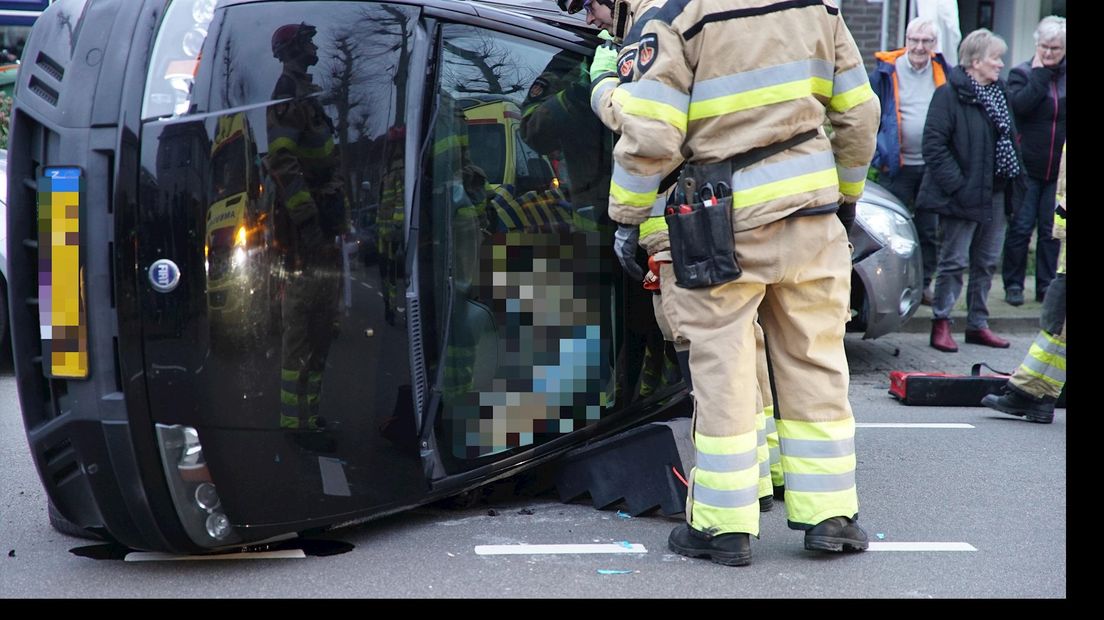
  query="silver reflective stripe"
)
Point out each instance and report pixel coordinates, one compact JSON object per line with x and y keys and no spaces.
{"x":851,"y":175}
{"x":775,"y":455}
{"x":764,"y":469}
{"x":726,"y":499}
{"x":815,"y":448}
{"x":819,"y":483}
{"x":849,"y":79}
{"x":762,"y":78}
{"x":727,"y":462}
{"x":782,"y":170}
{"x":761,"y":436}
{"x":658,"y":92}
{"x":658,"y":206}
{"x":599,"y":90}
{"x":771,"y":426}
{"x":635,"y":184}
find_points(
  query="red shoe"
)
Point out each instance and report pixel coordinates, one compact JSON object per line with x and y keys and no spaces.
{"x":941,"y":336}
{"x":987,"y":338}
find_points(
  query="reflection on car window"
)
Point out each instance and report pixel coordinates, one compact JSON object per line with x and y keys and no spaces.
{"x":520,"y":173}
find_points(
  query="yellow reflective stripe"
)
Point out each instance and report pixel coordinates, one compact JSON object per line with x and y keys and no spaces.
{"x":767,"y":95}
{"x":811,"y":508}
{"x":652,"y":109}
{"x":281,"y":144}
{"x":728,"y":480}
{"x":830,"y":465}
{"x":1058,"y":383}
{"x":786,"y":187}
{"x":725,"y":520}
{"x":831,"y":431}
{"x":652,"y":226}
{"x":849,"y":99}
{"x":623,"y":196}
{"x":298,"y":199}
{"x":315,"y":152}
{"x":449,"y":142}
{"x":732,"y":444}
{"x":1054,"y":341}
{"x":852,"y":188}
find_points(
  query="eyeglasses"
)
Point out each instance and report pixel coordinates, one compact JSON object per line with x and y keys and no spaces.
{"x":926,"y":42}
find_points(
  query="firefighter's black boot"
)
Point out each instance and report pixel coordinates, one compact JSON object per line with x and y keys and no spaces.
{"x":728,"y":549}
{"x":1019,"y":403}
{"x":766,"y":503}
{"x":836,"y":534}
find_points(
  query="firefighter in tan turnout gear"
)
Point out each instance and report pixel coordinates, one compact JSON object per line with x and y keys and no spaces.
{"x":739,"y":91}
{"x":304,"y":162}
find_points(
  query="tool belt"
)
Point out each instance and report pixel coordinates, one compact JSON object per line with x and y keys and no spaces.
{"x":699,"y":217}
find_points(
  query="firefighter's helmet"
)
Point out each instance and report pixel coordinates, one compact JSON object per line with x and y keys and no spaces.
{"x":288,"y":39}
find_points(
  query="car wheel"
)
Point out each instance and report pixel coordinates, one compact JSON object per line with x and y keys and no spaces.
{"x":65,"y":526}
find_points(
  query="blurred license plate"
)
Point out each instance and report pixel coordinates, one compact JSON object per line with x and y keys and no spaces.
{"x":61,"y":308}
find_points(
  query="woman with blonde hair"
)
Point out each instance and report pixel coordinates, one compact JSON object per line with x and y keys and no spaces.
{"x":971,"y":155}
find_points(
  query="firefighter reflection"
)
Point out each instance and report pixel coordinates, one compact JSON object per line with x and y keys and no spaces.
{"x":390,"y":220}
{"x":303,"y":162}
{"x":463,"y":195}
{"x":557,"y":121}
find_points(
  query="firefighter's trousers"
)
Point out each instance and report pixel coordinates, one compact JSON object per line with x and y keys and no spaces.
{"x":309,"y":312}
{"x":796,"y":276}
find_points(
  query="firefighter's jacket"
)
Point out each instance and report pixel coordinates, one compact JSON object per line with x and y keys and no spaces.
{"x":708,"y":80}
{"x":302,"y":157}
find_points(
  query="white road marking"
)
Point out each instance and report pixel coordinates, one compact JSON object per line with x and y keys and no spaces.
{"x":912,"y":425}
{"x":921,"y":546}
{"x":550,"y":549}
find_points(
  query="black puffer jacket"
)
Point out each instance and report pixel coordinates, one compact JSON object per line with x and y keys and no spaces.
{"x":959,"y":152}
{"x":1038,"y":99}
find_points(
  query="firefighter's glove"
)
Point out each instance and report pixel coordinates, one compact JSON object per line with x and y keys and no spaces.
{"x":846,"y":215}
{"x":605,"y":60}
{"x":625,"y":241}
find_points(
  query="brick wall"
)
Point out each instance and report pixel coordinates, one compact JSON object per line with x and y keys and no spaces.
{"x":864,"y":19}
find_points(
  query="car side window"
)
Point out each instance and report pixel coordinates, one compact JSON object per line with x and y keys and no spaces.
{"x":521,"y":265}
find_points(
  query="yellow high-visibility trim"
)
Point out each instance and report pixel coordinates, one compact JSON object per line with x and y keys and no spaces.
{"x":652,"y":225}
{"x":281,"y":144}
{"x":786,"y":187}
{"x":767,"y":95}
{"x":852,"y":188}
{"x":633,"y":199}
{"x":851,"y":98}
{"x":812,"y":508}
{"x":729,"y":480}
{"x":733,"y":444}
{"x":1040,"y":376}
{"x":726,"y":520}
{"x":653,"y":109}
{"x":819,"y":465}
{"x":824,"y":431}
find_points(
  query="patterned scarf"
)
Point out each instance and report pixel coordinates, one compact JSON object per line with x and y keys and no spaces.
{"x":992,"y":97}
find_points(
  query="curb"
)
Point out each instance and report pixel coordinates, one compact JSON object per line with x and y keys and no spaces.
{"x":1009,"y":325}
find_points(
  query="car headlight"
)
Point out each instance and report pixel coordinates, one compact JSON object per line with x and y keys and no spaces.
{"x":888,"y":227}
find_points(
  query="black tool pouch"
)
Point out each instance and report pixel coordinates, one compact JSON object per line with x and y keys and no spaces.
{"x":702,"y":249}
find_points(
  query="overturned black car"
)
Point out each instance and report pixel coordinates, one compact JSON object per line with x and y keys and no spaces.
{"x":202,"y":361}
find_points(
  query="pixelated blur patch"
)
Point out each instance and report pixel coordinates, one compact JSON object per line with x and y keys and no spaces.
{"x":61,"y":309}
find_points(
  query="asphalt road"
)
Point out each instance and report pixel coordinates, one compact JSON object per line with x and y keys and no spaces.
{"x":980,"y":500}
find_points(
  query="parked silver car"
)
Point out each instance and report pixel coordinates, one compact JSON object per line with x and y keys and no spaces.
{"x":887,"y":278}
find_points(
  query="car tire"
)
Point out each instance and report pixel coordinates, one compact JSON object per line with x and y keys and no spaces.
{"x":65,"y":526}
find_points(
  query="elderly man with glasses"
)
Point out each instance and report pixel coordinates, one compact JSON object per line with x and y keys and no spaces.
{"x":904,"y":80}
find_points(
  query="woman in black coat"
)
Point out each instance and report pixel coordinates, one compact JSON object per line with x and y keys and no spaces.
{"x":970,"y":152}
{"x":1037,"y":94}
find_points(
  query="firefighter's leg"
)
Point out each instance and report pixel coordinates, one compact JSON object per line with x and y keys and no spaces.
{"x":804,"y":315}
{"x":762,"y":374}
{"x":295,"y":355}
{"x":717,"y":323}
